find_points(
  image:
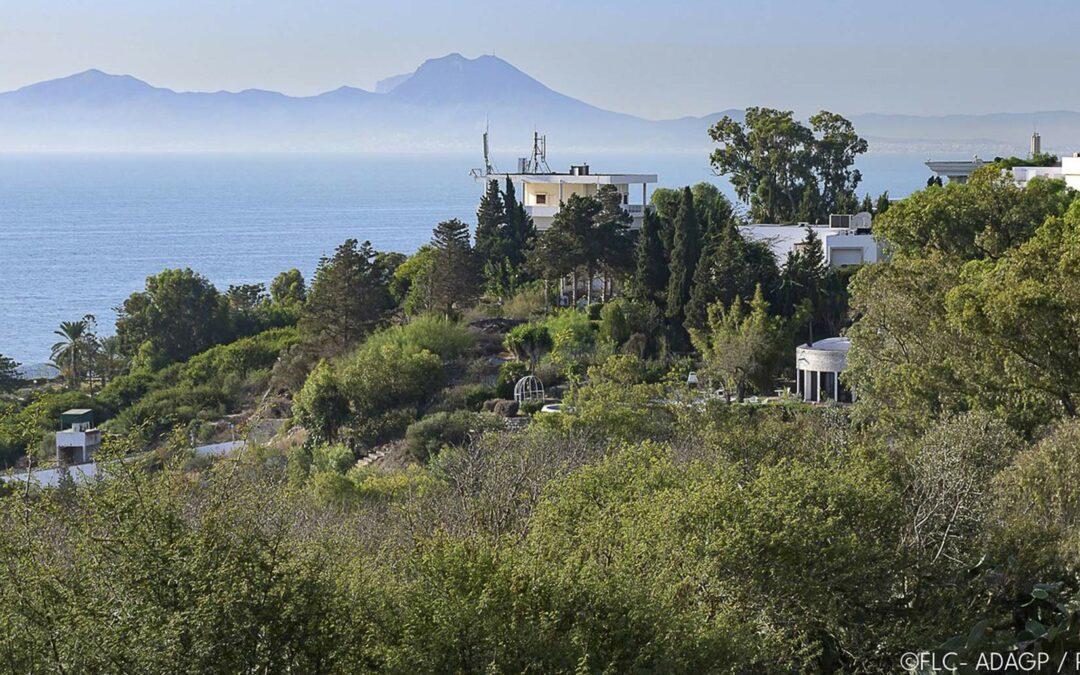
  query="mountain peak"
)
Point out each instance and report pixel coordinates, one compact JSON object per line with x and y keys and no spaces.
{"x":458,"y":80}
{"x":92,"y":84}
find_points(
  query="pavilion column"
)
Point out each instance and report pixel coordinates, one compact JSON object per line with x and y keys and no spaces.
{"x":817,"y":374}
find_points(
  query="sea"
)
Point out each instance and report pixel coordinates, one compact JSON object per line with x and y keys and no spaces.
{"x":79,"y":233}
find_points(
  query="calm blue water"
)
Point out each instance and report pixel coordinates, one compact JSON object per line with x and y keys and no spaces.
{"x":80,"y":233}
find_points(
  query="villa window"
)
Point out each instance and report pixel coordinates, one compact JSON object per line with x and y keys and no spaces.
{"x":541,"y":199}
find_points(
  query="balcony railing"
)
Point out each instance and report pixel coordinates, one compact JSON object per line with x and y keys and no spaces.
{"x":549,"y":210}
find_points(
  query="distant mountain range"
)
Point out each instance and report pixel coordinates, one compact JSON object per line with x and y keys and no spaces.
{"x":442,"y":106}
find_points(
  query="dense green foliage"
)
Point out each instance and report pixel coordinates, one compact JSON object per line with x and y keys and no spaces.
{"x":786,"y":171}
{"x":9,"y":373}
{"x":648,"y":525}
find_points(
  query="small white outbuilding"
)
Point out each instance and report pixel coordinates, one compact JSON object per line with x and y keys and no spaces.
{"x":817,"y":371}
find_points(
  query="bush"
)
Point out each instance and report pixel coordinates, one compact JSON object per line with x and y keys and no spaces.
{"x":502,"y":407}
{"x":528,"y":342}
{"x":258,"y":352}
{"x":509,"y":373}
{"x":336,"y":458}
{"x":447,"y":339}
{"x":320,"y":405}
{"x":425,"y":438}
{"x":529,"y":408}
{"x":527,"y":303}
{"x":464,"y":396}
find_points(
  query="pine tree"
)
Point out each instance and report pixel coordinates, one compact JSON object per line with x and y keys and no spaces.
{"x":867,"y":204}
{"x":651,"y":265}
{"x":453,"y":279}
{"x":348,"y":295}
{"x":686,"y":248}
{"x":491,"y":244}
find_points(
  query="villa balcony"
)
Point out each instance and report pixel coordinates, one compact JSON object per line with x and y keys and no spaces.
{"x":546,"y":211}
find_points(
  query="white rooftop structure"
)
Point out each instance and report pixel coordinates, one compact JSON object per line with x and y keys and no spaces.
{"x":817,"y":370}
{"x":542,"y":191}
{"x":842,"y":246}
{"x":542,"y":194}
{"x":957,"y":171}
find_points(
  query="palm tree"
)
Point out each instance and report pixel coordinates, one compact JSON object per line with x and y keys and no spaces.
{"x":108,"y":358}
{"x":68,"y":353}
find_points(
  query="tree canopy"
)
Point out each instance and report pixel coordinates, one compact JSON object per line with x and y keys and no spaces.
{"x":785,"y":170}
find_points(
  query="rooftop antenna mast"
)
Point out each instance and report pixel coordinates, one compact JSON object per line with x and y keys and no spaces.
{"x":538,"y":161}
{"x":489,"y":168}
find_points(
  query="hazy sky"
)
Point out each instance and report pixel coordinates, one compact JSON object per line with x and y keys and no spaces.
{"x":651,"y":58}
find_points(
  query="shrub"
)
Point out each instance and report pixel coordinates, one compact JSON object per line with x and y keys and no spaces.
{"x":614,"y":328}
{"x":527,"y":303}
{"x":336,"y":458}
{"x":502,"y":407}
{"x":529,"y":408}
{"x":509,"y":373}
{"x":384,"y":384}
{"x":464,"y":396}
{"x":320,"y":405}
{"x":528,"y":342}
{"x":425,"y":438}
{"x":447,"y":339}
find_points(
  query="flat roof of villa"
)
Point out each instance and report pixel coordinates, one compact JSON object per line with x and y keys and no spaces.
{"x":553,"y":177}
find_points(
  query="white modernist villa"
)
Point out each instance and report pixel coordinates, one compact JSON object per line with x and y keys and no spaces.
{"x":543,"y":193}
{"x":817,"y":371}
{"x":846,"y":240}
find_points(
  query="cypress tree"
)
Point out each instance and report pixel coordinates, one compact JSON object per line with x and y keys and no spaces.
{"x":520,"y":230}
{"x":650,"y":261}
{"x":685,"y":250}
{"x":490,"y":222}
{"x":730,"y":266}
{"x":867,"y":204}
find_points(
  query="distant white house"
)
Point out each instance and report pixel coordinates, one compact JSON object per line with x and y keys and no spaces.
{"x":958,"y":171}
{"x":846,"y":241}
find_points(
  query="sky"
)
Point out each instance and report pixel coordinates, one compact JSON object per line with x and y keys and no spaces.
{"x":656,"y":59}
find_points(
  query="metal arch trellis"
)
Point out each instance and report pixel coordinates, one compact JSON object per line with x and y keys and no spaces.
{"x":529,"y":388}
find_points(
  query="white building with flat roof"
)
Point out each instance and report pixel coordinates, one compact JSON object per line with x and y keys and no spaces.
{"x":842,"y":246}
{"x":542,"y":194}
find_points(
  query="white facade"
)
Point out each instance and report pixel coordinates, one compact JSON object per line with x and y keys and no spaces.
{"x":959,"y":171}
{"x":817,"y":371}
{"x":1023,"y":174}
{"x":542,"y":193}
{"x":842,"y":246}
{"x":77,"y":446}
